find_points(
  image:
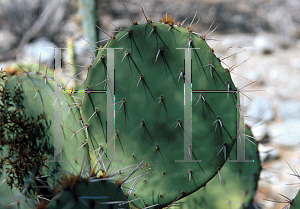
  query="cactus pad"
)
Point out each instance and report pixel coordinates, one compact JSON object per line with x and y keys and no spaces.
{"x":39,"y":98}
{"x":150,"y":88}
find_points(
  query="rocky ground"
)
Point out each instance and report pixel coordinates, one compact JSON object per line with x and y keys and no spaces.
{"x":267,"y":31}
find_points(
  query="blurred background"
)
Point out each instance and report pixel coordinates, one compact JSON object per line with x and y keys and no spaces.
{"x":268,"y":31}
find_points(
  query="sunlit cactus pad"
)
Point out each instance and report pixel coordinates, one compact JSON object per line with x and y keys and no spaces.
{"x":150,"y":87}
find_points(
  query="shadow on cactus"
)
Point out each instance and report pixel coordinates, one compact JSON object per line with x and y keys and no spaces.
{"x":24,"y":141}
{"x":90,"y":188}
{"x":24,"y":146}
{"x":29,"y":143}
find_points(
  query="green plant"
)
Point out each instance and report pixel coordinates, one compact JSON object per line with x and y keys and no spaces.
{"x":87,"y":11}
{"x":19,"y":150}
{"x":28,"y":178}
{"x":145,"y":89}
{"x":151,"y":86}
{"x":40,"y":98}
{"x":30,"y":145}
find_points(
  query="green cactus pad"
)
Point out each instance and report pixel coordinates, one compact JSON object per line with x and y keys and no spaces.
{"x":150,"y":117}
{"x":10,"y":197}
{"x":39,"y":98}
{"x":14,"y":179}
{"x":239,"y":184}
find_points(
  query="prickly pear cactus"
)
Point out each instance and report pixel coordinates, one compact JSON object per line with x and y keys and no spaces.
{"x":38,"y":103}
{"x":19,"y":150}
{"x":239,"y":183}
{"x":180,"y":121}
{"x":15,"y":183}
{"x":11,"y":197}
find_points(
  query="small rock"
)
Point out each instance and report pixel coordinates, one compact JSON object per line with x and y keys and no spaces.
{"x":81,"y":48}
{"x":289,"y":110}
{"x":273,"y":179}
{"x":286,"y":133}
{"x":267,"y":153}
{"x":259,"y":131}
{"x":297,"y":64}
{"x":239,"y":19}
{"x":260,"y":109}
{"x":7,"y":41}
{"x":263,"y":45}
{"x":40,"y":47}
{"x":256,"y":76}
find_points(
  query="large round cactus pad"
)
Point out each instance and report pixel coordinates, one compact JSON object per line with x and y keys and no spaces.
{"x":180,"y":122}
{"x":40,"y":98}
